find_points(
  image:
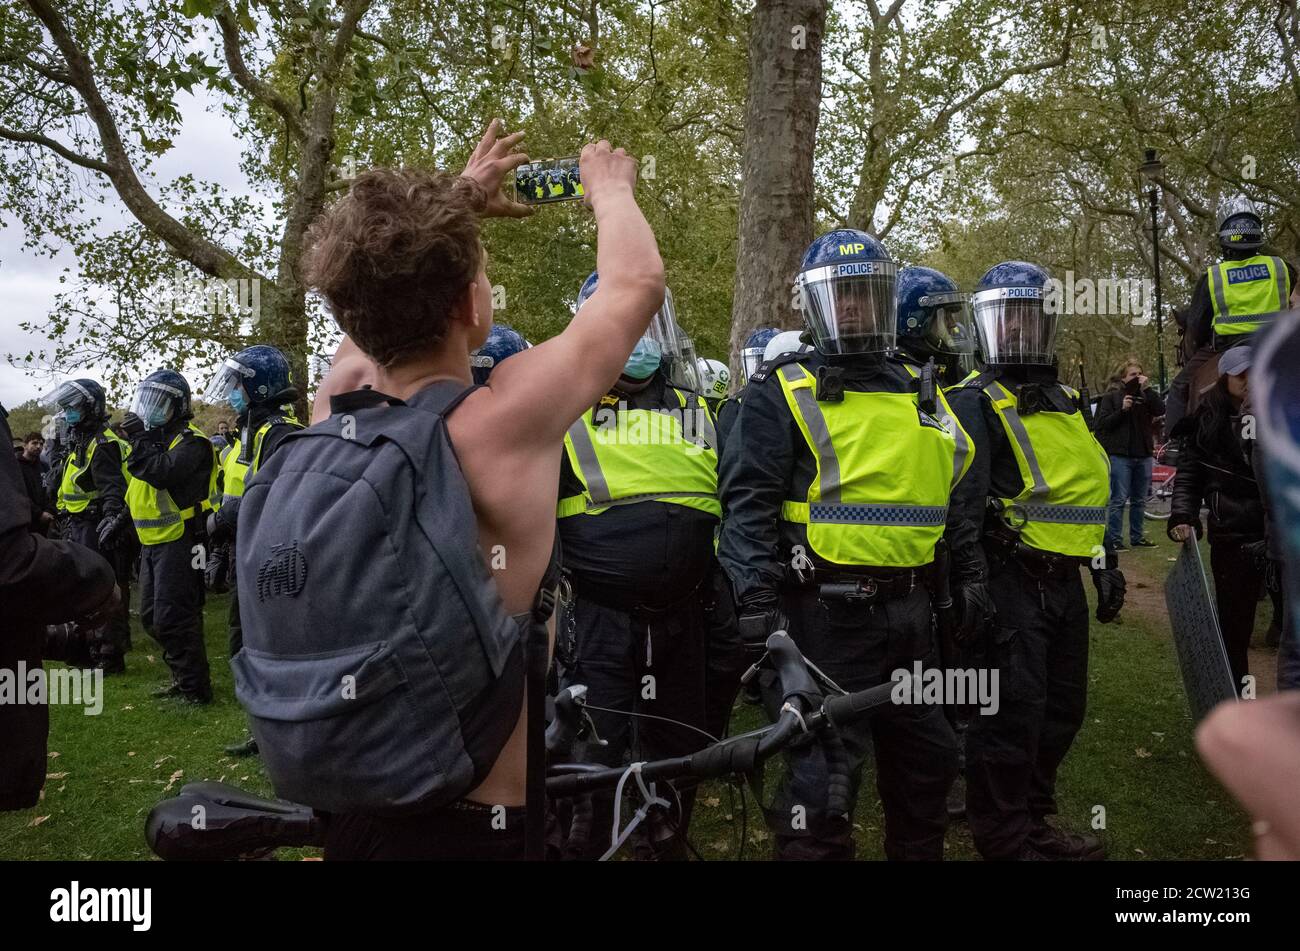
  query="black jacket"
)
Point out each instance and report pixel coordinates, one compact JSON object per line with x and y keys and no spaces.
{"x":765,"y":460}
{"x":41,"y":582}
{"x":1214,"y":470}
{"x":34,"y":481}
{"x":1127,"y":433}
{"x":183,"y":471}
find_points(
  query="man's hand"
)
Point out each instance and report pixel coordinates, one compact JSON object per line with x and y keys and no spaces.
{"x":490,"y":166}
{"x":977,"y":613}
{"x":100,"y":615}
{"x":1143,"y":381}
{"x":109,"y":530}
{"x":1181,"y":533}
{"x":1128,"y":404}
{"x":1111,"y":589}
{"x":605,"y":171}
{"x":132,"y":425}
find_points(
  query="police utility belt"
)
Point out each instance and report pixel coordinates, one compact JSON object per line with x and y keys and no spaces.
{"x":1001,"y":542}
{"x":853,"y":587}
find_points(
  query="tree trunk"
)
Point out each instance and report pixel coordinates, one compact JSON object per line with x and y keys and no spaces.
{"x":776,"y":190}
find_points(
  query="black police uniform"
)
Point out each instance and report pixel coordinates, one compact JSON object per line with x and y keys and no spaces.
{"x":858,"y":645}
{"x":171,"y":587}
{"x":1039,"y":643}
{"x":108,"y":644}
{"x":641,"y":575}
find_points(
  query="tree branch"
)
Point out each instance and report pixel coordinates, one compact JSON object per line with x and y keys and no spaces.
{"x":74,"y":157}
{"x":260,"y":91}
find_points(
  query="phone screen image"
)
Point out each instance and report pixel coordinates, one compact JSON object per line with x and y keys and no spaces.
{"x":549,"y":180}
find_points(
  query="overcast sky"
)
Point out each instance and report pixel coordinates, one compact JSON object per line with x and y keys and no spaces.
{"x":205,"y":147}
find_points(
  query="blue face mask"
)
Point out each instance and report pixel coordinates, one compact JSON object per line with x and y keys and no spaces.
{"x":644,"y":360}
{"x":238,"y":401}
{"x":72,"y":416}
{"x":156,"y":419}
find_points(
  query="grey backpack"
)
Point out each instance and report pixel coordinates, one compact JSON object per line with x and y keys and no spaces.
{"x":380,"y":669}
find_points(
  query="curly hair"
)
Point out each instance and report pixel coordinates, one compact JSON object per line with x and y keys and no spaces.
{"x":393,"y":256}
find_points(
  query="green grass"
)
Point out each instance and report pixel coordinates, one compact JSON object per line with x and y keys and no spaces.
{"x":1134,"y":757}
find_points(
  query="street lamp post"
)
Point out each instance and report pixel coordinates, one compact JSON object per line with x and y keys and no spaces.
{"x":1151,"y":169}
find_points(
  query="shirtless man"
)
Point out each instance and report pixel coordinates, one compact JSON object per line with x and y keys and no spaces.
{"x":508,"y":435}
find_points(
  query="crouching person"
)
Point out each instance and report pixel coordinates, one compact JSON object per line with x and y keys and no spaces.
{"x":395,"y":556}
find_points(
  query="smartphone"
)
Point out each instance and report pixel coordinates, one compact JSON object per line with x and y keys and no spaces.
{"x":549,"y":180}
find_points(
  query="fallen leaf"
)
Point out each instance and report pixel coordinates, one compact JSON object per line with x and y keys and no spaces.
{"x":130,"y":752}
{"x":711,"y":801}
{"x":1141,"y":753}
{"x":172,"y":782}
{"x":37,"y":821}
{"x":52,"y":753}
{"x":128,"y":707}
{"x":56,"y":775}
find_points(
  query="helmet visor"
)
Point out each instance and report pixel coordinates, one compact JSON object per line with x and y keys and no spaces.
{"x":751,"y":358}
{"x":155,"y":403}
{"x":1014,"y":326}
{"x":950,"y":329}
{"x":679,"y":360}
{"x":67,"y":396}
{"x":229,"y":375}
{"x":850,"y":308}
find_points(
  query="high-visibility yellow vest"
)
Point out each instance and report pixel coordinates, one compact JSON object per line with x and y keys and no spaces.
{"x":1248,"y":294}
{"x":72,"y":497}
{"x":885,"y":471}
{"x":622,"y":456}
{"x":1066,"y":474}
{"x":155,"y":515}
{"x":235,"y":472}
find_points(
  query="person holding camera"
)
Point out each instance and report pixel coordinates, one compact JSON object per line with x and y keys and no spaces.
{"x":1125,"y":427}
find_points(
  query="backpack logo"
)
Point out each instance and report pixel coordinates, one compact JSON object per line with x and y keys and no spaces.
{"x":284,"y":573}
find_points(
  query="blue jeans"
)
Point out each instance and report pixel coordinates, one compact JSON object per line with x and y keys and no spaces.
{"x":1130,"y":481}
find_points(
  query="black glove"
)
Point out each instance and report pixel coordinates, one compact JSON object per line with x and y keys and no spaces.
{"x":1257,"y":552}
{"x":132,"y":426}
{"x":976,"y":612}
{"x":1111,"y":587}
{"x":219,"y":530}
{"x":109,"y":529}
{"x":757,"y":621}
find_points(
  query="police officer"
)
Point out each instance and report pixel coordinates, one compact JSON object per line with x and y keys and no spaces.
{"x":934,"y":324}
{"x":92,"y":498}
{"x":715,"y":382}
{"x":258,"y":386}
{"x":1029,"y":514}
{"x":503,"y":341}
{"x":637,"y":513}
{"x":835,"y":484}
{"x":174,"y":483}
{"x":1233,"y":298}
{"x":751,"y":358}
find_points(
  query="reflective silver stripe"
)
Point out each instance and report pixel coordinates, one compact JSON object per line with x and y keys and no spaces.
{"x":1279,"y":268}
{"x":81,"y":496}
{"x":883,"y":514}
{"x":700,"y":414}
{"x":1067,"y":514}
{"x":1250,"y":318}
{"x":1216,"y":285}
{"x":828,"y":464}
{"x":588,"y":464}
{"x":1017,"y":425}
{"x":169,"y":518}
{"x":651,"y":497}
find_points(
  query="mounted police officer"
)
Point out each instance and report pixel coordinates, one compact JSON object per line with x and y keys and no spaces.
{"x":92,"y":497}
{"x":174,"y":484}
{"x":637,"y":514}
{"x":1233,"y":299}
{"x":258,"y":386}
{"x":835,"y":484}
{"x":1029,"y":514}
